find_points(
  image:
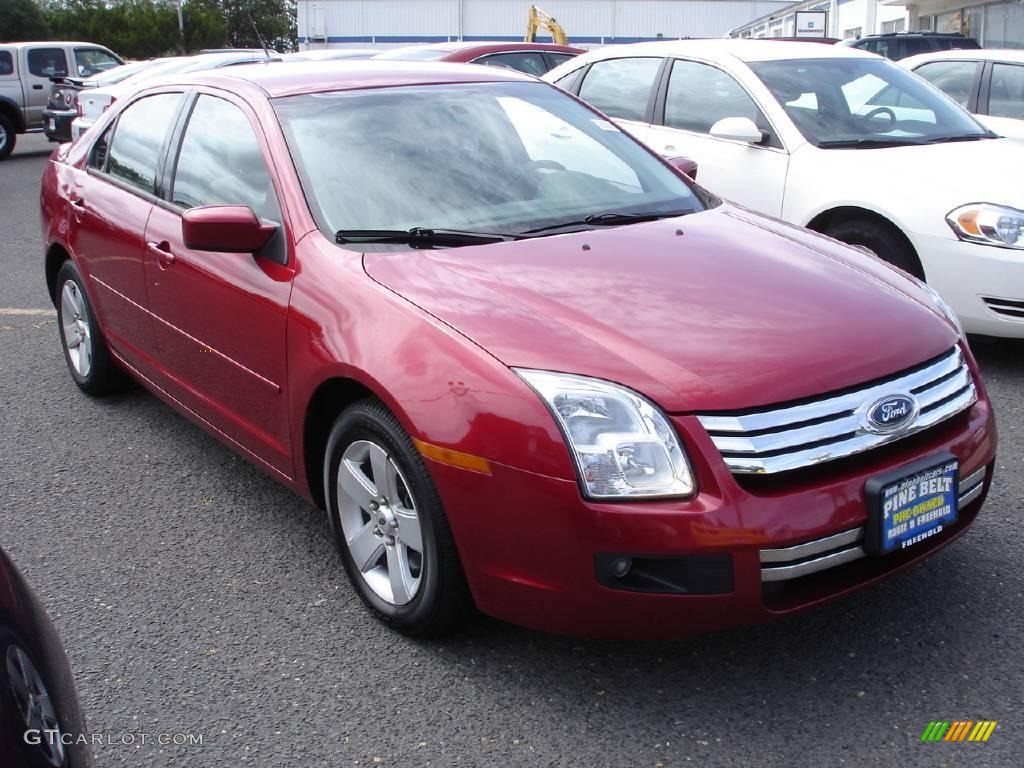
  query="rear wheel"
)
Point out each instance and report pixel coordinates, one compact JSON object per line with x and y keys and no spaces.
{"x":8,"y":137}
{"x":85,"y":349}
{"x":881,"y":240}
{"x":389,"y":524}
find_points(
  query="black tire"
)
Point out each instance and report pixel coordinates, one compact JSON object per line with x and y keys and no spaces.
{"x":8,"y":136}
{"x":103,"y":376}
{"x":49,"y":752}
{"x":442,"y":598}
{"x":881,"y":240}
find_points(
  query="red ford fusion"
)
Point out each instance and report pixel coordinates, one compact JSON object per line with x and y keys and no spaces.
{"x":521,"y":361}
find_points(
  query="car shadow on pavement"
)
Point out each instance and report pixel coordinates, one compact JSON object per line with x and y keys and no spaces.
{"x":998,"y":354}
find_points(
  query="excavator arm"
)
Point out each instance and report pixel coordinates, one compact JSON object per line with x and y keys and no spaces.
{"x":538,"y":20}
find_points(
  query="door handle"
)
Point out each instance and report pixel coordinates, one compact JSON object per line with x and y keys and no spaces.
{"x":37,"y":87}
{"x":77,"y":206}
{"x":162,"y":252}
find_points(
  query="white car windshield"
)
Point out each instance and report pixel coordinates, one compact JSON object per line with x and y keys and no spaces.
{"x":517,"y":159}
{"x":864,"y":102}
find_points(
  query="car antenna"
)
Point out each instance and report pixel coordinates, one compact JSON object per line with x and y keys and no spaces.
{"x":258,"y":35}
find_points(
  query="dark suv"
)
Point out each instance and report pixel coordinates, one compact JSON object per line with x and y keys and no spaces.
{"x":899,"y":45}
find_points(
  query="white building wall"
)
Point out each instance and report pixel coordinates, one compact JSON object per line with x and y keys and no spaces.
{"x":844,"y":16}
{"x":587,"y":22}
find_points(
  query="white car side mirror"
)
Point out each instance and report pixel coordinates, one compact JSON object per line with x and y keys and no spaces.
{"x":737,"y":129}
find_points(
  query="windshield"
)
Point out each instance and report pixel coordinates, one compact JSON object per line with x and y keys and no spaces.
{"x":851,"y":101}
{"x":502,"y":158}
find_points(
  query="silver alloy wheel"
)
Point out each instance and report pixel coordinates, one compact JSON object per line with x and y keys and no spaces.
{"x":75,"y":327}
{"x":3,"y":137}
{"x":34,"y":704}
{"x":380,"y":523}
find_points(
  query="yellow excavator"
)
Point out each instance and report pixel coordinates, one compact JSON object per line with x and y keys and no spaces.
{"x":538,"y":20}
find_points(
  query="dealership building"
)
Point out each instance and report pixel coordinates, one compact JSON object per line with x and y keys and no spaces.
{"x":994,"y":25}
{"x":387,"y":23}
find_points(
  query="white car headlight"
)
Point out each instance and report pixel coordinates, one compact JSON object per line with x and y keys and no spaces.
{"x":989,"y":224}
{"x":623,"y":446}
{"x":943,"y":306}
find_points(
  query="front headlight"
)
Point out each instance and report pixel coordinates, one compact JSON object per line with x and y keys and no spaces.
{"x":989,"y":224}
{"x":623,"y":446}
{"x":943,"y":307}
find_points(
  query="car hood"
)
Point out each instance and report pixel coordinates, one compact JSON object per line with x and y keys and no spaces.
{"x":944,"y":175}
{"x":717,"y":310}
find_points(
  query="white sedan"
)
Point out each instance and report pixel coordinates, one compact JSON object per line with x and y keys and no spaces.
{"x":837,"y":140}
{"x":988,"y":82}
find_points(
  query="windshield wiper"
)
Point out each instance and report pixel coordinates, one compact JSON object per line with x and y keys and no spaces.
{"x":960,"y":137}
{"x":418,"y":237}
{"x":608,"y":220}
{"x":863,"y":143}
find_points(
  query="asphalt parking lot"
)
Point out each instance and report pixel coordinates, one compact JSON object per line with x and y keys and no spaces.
{"x":196,"y":596}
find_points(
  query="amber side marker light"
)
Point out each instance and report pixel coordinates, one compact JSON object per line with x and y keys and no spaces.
{"x":968,"y":221}
{"x":453,"y":458}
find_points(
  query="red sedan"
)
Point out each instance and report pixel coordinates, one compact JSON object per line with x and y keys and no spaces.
{"x":519,"y":359}
{"x":532,"y":58}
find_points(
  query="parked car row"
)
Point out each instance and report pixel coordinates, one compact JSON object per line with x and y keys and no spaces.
{"x":26,"y":70}
{"x":837,"y":140}
{"x":521,"y":360}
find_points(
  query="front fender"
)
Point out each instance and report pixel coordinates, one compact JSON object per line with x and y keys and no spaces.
{"x":443,"y":388}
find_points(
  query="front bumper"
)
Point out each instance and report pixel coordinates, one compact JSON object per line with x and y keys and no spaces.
{"x":530,"y":544}
{"x":983,"y":284}
{"x":57,"y":124}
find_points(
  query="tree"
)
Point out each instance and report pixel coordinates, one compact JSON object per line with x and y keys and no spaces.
{"x":205,"y":25}
{"x":22,"y":20}
{"x":274,"y":19}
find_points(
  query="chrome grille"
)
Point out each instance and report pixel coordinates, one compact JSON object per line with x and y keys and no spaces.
{"x":821,"y":554}
{"x":790,"y":437}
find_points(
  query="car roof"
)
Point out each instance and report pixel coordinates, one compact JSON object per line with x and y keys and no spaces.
{"x":53,"y":44}
{"x":745,"y":50}
{"x":1015,"y":55}
{"x":487,"y":45}
{"x":277,"y":79}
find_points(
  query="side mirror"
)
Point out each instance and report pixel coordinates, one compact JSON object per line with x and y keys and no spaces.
{"x":684,"y":164}
{"x":226,"y":228}
{"x":737,"y":129}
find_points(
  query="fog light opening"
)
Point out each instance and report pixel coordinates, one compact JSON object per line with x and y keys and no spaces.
{"x":621,"y":567}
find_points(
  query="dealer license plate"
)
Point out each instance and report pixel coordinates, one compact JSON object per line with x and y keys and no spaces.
{"x":911,"y":505}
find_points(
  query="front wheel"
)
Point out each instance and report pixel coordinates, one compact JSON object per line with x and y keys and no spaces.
{"x":882,"y":241}
{"x":389,"y":524}
{"x":8,"y":137}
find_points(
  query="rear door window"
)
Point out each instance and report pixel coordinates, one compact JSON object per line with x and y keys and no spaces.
{"x":621,"y":87}
{"x":48,"y":62}
{"x":6,"y":63}
{"x":138,"y":140}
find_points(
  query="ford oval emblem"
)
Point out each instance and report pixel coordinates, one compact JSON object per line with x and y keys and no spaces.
{"x":891,"y":413}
